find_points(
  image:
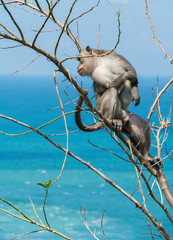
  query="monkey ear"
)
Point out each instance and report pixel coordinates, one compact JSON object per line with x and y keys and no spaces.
{"x":88,"y":49}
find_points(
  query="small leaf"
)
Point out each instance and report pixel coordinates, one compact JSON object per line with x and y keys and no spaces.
{"x":48,"y":184}
{"x":41,"y":184}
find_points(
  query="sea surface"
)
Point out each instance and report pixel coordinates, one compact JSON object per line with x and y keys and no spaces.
{"x":29,"y":159}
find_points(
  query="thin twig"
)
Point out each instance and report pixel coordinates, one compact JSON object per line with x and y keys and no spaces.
{"x":24,"y":234}
{"x":11,"y":205}
{"x":44,"y":205}
{"x":63,"y":104}
{"x":63,"y":28}
{"x":157,"y":98}
{"x":65,"y":122}
{"x":44,"y":23}
{"x":149,"y":224}
{"x":98,"y":37}
{"x":13,"y":20}
{"x":154,"y":34}
{"x":10,"y":32}
{"x":11,"y":47}
{"x":45,"y":124}
{"x":30,"y":220}
{"x":102,"y":224}
{"x":26,"y":65}
{"x":83,"y":14}
{"x":109,"y":152}
{"x":35,"y":211}
{"x":85,"y":222}
{"x":62,"y":134}
{"x":142,"y":193}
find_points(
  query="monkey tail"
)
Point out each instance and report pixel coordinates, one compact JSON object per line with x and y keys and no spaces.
{"x":80,"y":124}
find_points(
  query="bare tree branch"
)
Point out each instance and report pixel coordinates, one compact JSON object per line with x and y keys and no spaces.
{"x":67,"y":31}
{"x":13,"y":20}
{"x":63,"y":28}
{"x":47,"y":18}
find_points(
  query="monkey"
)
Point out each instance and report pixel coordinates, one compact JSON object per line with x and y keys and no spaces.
{"x":134,"y":127}
{"x":114,"y":82}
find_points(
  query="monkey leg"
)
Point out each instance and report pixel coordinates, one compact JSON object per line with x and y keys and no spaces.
{"x":110,"y":107}
{"x":125,"y":96}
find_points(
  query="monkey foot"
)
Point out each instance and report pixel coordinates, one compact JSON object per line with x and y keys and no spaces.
{"x":126,"y":119}
{"x":117,"y":123}
{"x":156,"y":160}
{"x":160,"y":162}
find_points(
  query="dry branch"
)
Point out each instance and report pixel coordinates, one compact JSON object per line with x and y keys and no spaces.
{"x":66,"y":128}
{"x":154,"y":34}
{"x":12,"y":18}
{"x":157,"y":98}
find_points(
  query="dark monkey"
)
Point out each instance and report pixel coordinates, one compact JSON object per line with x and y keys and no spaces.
{"x":135,"y":127}
{"x":115,"y":82}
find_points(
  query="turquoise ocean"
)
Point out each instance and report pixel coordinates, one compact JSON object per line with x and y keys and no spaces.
{"x":28,"y":159}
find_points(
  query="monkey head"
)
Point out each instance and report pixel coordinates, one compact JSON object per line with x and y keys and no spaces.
{"x":88,"y":64}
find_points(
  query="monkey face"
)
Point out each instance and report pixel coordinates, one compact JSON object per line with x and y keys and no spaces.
{"x":81,"y":69}
{"x":85,"y":67}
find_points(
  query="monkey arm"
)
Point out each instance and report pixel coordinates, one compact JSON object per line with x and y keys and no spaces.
{"x":135,"y":95}
{"x":121,"y":79}
{"x":118,"y":82}
{"x":131,"y":76}
{"x":83,"y":127}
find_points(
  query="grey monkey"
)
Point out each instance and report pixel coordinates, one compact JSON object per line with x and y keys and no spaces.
{"x":115,"y":82}
{"x":135,"y":127}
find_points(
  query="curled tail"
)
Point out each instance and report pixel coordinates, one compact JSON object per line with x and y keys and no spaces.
{"x":80,"y":124}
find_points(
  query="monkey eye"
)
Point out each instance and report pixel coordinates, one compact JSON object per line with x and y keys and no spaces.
{"x":78,"y":59}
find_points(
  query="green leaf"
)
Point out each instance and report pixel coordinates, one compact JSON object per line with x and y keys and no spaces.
{"x":48,"y":183}
{"x":41,"y":184}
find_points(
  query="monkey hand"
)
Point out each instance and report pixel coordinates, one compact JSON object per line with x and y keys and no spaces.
{"x":137,"y":101}
{"x":117,"y":123}
{"x":135,"y":95}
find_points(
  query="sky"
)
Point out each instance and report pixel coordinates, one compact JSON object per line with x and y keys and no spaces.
{"x":136,"y":42}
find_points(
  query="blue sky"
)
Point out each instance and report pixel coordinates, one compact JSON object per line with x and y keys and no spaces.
{"x":136,"y":44}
